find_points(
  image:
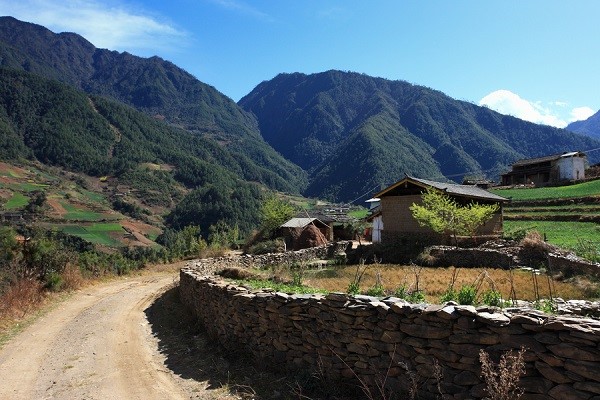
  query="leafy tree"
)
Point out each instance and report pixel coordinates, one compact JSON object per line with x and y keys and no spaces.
{"x":37,"y":202}
{"x":223,"y":235}
{"x":274,"y":212}
{"x":444,"y":215}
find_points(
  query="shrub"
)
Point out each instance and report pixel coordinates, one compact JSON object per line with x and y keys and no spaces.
{"x":492,"y":298}
{"x":467,"y":295}
{"x":354,"y":285}
{"x":53,"y":281}
{"x":401,"y":292}
{"x":449,"y":295}
{"x":269,"y":246}
{"x":377,"y":289}
{"x":547,"y":305}
{"x":416,"y":296}
{"x":298,"y":271}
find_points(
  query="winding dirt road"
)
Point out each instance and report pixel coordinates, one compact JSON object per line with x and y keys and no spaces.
{"x":96,"y":345}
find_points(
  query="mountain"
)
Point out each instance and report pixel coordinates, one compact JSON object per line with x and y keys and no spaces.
{"x":355,"y":133}
{"x":151,"y":85}
{"x":590,"y":126}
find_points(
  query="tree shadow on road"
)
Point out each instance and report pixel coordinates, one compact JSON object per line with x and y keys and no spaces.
{"x":191,"y":355}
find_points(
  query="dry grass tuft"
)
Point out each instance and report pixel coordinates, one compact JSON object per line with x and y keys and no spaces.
{"x":72,"y":279}
{"x":236,"y":273}
{"x":502,"y":379}
{"x":19,"y":298}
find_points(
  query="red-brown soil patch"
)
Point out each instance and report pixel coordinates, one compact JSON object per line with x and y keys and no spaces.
{"x":138,"y":230}
{"x":57,"y":209}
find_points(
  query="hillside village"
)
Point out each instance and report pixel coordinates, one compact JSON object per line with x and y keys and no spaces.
{"x":331,"y":223}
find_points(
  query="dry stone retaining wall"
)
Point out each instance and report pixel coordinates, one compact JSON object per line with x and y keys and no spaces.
{"x":507,"y":256}
{"x":344,"y":335}
{"x":329,"y":251}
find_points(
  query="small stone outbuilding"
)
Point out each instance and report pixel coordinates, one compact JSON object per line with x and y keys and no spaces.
{"x":300,"y":233}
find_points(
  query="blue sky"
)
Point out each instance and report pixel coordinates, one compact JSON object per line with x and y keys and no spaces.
{"x":535,"y":59}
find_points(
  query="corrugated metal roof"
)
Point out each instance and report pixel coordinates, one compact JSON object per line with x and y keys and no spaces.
{"x":298,"y":222}
{"x":451,"y":188}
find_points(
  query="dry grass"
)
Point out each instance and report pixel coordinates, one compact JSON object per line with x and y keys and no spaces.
{"x":20,"y":298}
{"x":502,"y":379}
{"x":435,"y":281}
{"x":72,"y":279}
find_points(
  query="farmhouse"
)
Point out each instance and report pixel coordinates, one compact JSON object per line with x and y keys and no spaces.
{"x":395,"y":220}
{"x":547,"y":170}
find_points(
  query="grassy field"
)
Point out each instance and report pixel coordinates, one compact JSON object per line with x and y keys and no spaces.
{"x":17,"y":201}
{"x":359,"y":214}
{"x":96,"y":233}
{"x":433,"y":282}
{"x":566,"y":234}
{"x":545,"y":218}
{"x":27,"y":186}
{"x":75,"y":213}
{"x":591,"y":188}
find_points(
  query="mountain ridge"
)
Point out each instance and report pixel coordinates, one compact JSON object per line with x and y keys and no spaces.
{"x":590,"y":126}
{"x":152,"y":85}
{"x":383,"y":129}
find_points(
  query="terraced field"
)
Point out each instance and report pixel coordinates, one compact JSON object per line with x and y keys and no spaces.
{"x":568,"y":216}
{"x":71,"y":208}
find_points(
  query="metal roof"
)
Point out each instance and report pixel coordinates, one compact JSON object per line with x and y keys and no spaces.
{"x":552,"y":157}
{"x":450,"y":188}
{"x":299,"y":222}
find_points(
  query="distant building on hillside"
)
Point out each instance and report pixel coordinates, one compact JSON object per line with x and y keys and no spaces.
{"x":547,"y":170}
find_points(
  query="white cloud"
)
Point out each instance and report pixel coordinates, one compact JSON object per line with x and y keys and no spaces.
{"x":113,"y":27}
{"x":581,"y":113}
{"x":509,"y":103}
{"x":242,"y":8}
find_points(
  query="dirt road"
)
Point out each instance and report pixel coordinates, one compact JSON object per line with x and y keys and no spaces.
{"x":96,"y":345}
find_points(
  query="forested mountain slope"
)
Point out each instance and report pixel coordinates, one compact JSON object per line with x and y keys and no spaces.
{"x":53,"y":123}
{"x":152,"y":85}
{"x":590,"y":126}
{"x":355,"y":133}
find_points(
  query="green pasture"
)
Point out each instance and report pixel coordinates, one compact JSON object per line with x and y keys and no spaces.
{"x":93,"y":196}
{"x":96,"y":233}
{"x":574,"y":208}
{"x":27,"y":186}
{"x":548,"y":213}
{"x":591,"y":188}
{"x":359,"y":214}
{"x":79,"y":214}
{"x":17,"y":201}
{"x":565,"y":234}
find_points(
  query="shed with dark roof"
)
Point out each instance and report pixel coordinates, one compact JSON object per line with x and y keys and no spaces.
{"x":397,"y":219}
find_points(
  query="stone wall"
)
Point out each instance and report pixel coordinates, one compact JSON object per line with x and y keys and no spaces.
{"x":330,"y":251}
{"x":506,"y":255}
{"x":348,"y":336}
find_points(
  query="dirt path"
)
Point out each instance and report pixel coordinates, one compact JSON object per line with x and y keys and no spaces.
{"x":96,"y":345}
